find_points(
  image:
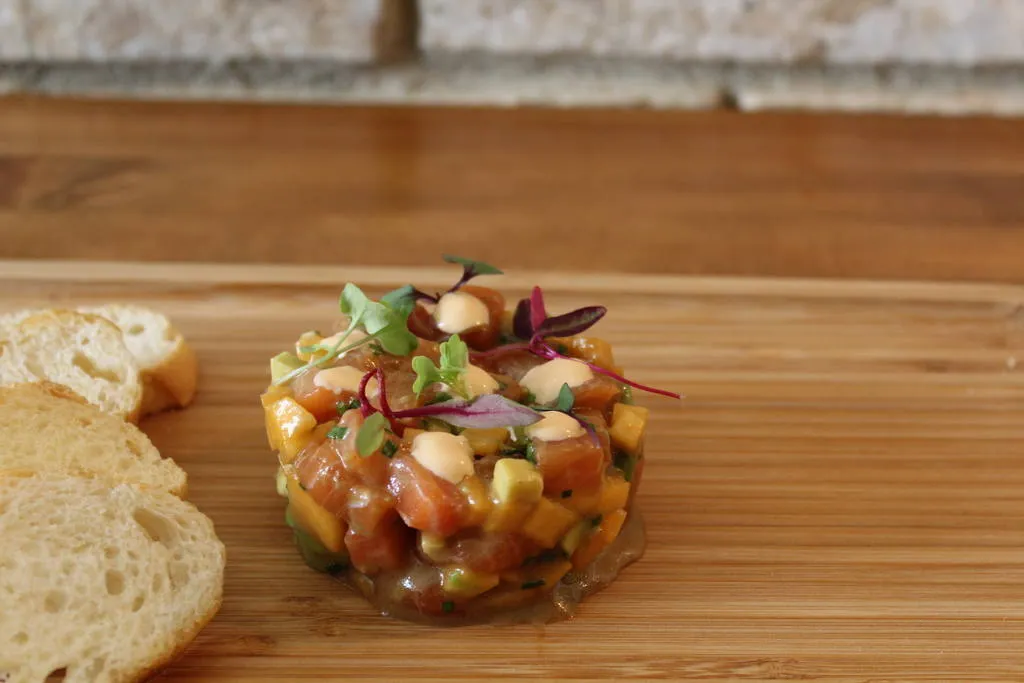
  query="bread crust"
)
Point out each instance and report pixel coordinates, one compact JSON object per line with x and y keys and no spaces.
{"x":173,"y":383}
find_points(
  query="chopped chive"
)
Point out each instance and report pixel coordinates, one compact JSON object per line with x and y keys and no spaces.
{"x":502,"y":386}
{"x":447,"y":606}
{"x":567,"y":493}
{"x":531,"y":452}
{"x":562,"y":349}
{"x":596,"y":521}
{"x":533,"y":584}
{"x":376,"y":348}
{"x":338,"y":432}
{"x":529,"y":399}
{"x":343,"y":406}
{"x":440,"y":398}
{"x":389,"y":449}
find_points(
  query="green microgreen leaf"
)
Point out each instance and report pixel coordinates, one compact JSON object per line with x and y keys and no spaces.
{"x":385,"y":325}
{"x":476,"y":267}
{"x":389,"y":449}
{"x":454,"y":359}
{"x":566,"y":399}
{"x":371,"y":434}
{"x":338,"y":432}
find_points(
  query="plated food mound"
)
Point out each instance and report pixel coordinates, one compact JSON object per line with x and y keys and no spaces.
{"x":455,"y":461}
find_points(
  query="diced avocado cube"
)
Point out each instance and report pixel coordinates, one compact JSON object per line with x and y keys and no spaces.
{"x":466,"y":583}
{"x":572,"y":540}
{"x":282,"y":364}
{"x":517,"y":481}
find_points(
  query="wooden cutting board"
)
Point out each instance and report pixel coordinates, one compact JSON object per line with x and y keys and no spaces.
{"x":840,"y":497}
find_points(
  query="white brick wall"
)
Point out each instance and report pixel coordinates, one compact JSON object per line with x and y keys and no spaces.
{"x":957,"y":32}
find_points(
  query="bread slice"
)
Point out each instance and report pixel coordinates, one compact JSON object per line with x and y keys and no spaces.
{"x":167,"y":362}
{"x":49,"y":429}
{"x":104,"y":585}
{"x":83,"y":352}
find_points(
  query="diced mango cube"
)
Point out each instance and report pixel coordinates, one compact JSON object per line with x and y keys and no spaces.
{"x":486,"y":441}
{"x":606,"y":532}
{"x":291,"y":446}
{"x":584,"y":502}
{"x":591,"y":349}
{"x":507,"y":517}
{"x":548,"y":523}
{"x":466,"y":583}
{"x":285,"y":419}
{"x":628,"y":426}
{"x":516,"y":481}
{"x":614,"y":495}
{"x":314,"y":519}
{"x":475,"y":491}
{"x":308,"y":339}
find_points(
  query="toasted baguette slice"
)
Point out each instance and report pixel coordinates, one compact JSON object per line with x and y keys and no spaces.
{"x":167,"y":362}
{"x":83,"y":352}
{"x":47,"y":428}
{"x":107,"y":585}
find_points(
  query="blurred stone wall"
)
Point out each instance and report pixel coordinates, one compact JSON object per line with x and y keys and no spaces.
{"x":953,"y":56}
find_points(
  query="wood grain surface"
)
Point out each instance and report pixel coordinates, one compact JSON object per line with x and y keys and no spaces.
{"x":614,"y":190}
{"x":840,"y":497}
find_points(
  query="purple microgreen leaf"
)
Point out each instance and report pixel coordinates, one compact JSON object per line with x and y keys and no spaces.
{"x":499,"y":350}
{"x":488,"y":411}
{"x":538,"y":314}
{"x":573,"y":322}
{"x":522,"y":326}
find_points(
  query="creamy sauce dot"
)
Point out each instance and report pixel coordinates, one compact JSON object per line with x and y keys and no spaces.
{"x":343,"y":378}
{"x":477,"y":382}
{"x":458,"y":311}
{"x":555,"y":426}
{"x":545,"y":381}
{"x":446,"y":455}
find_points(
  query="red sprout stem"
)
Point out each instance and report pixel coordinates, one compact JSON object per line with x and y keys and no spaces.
{"x":365,"y":408}
{"x":540,"y":347}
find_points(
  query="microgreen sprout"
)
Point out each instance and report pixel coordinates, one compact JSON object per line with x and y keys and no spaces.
{"x":454,"y":359}
{"x":384,"y":323}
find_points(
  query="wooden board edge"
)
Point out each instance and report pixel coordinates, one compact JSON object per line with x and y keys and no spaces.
{"x":584,"y":282}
